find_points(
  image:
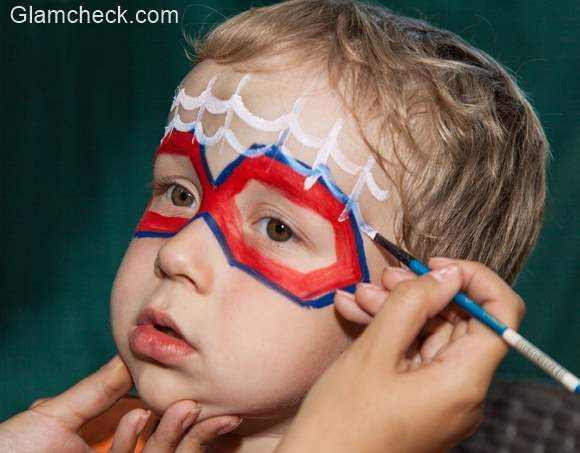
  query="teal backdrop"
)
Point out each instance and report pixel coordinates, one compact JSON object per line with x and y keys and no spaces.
{"x":83,"y":107}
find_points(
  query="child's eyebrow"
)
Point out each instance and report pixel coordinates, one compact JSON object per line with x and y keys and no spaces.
{"x":162,"y":159}
{"x":176,"y":165}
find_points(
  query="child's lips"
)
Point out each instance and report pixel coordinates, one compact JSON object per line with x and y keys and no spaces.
{"x":158,"y":337}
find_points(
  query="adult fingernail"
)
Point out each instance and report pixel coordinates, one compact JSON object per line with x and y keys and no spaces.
{"x":142,"y":421}
{"x":344,"y":294}
{"x":369,"y":286}
{"x":445,"y":273}
{"x":191,"y":416}
{"x":229,"y":427}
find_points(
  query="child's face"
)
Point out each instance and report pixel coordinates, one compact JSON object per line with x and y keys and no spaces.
{"x":254,"y":346}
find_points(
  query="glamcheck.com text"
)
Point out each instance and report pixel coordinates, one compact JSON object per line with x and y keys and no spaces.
{"x":81,"y":15}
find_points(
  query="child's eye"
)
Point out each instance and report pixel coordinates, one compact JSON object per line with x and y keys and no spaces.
{"x":276,"y":229}
{"x":176,"y":194}
{"x":180,"y":196}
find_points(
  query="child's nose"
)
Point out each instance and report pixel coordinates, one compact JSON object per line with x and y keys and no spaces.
{"x":190,"y":255}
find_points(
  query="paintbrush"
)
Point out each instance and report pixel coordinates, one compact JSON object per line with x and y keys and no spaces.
{"x":510,"y":336}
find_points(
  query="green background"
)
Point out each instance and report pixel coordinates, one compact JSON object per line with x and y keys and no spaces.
{"x":83,"y":107}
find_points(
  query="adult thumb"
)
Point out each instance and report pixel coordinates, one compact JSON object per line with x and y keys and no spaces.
{"x":90,"y":397}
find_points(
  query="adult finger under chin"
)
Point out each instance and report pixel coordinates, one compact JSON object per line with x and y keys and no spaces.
{"x":200,"y":434}
{"x":38,"y":402}
{"x":128,"y":431}
{"x":176,"y":420}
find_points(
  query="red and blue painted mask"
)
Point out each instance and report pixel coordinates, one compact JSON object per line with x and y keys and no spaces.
{"x":272,"y":168}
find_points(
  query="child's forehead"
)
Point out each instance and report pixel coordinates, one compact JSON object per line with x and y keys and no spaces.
{"x":272,"y":94}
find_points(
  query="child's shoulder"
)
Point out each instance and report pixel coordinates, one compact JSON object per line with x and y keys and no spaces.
{"x":98,"y":433}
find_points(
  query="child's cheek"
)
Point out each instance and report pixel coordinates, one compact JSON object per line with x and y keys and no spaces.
{"x":134,"y":280}
{"x":242,"y":299}
{"x":249,"y":303}
{"x":266,"y":330}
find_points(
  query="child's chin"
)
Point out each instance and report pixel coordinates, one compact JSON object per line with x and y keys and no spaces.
{"x":158,"y":404}
{"x":157,"y":395}
{"x":160,"y":392}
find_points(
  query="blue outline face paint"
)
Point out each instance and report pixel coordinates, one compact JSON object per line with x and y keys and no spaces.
{"x":270,"y":167}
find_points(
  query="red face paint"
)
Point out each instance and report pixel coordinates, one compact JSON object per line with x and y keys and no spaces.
{"x":270,"y":167}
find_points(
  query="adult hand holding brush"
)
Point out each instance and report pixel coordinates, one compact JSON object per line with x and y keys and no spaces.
{"x":415,"y":380}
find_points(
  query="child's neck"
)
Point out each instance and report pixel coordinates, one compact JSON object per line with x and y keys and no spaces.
{"x":253,"y":436}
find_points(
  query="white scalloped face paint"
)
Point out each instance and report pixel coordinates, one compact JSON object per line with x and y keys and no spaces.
{"x":286,"y":125}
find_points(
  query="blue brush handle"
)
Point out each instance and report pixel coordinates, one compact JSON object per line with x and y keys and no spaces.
{"x":510,"y":336}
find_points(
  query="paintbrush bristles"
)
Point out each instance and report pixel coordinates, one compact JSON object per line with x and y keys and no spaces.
{"x":397,"y":252}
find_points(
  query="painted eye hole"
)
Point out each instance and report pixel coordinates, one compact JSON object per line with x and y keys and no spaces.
{"x":180,"y":196}
{"x":278,"y":231}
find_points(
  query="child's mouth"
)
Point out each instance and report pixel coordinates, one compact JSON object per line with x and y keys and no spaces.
{"x":166,"y":330}
{"x":158,"y":337}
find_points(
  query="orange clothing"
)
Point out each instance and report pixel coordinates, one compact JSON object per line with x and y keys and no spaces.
{"x":98,"y":433}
